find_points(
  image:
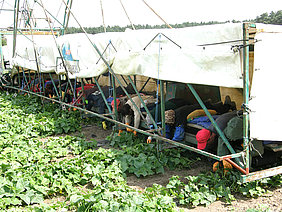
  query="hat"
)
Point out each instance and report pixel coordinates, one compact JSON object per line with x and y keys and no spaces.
{"x":202,"y":137}
{"x":113,"y":103}
{"x":169,"y":117}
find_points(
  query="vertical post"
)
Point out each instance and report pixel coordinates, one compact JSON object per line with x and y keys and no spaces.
{"x":246,"y":95}
{"x":16,"y":12}
{"x":68,"y":17}
{"x":43,"y":83}
{"x":65,"y":18}
{"x":19,"y":78}
{"x":60,"y":88}
{"x":115,"y":100}
{"x":25,"y":79}
{"x":82,"y":90}
{"x":1,"y":54}
{"x":162,"y":107}
{"x":55,"y":88}
{"x":29,"y":78}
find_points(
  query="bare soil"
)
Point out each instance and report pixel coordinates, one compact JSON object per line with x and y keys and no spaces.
{"x":271,"y":201}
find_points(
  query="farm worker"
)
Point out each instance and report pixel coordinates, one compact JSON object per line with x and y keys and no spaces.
{"x":128,"y":110}
{"x":181,"y":114}
{"x":170,"y":104}
{"x":209,"y":140}
{"x":95,"y":98}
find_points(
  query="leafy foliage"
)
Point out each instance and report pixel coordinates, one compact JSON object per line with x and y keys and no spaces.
{"x":34,"y":168}
{"x":209,"y":187}
{"x":270,"y":18}
{"x":142,"y":159}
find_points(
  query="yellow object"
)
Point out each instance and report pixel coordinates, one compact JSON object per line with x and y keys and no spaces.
{"x":198,"y":113}
{"x":104,"y":125}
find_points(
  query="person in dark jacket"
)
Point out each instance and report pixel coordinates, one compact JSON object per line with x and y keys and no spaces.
{"x":181,"y":114}
{"x":208,"y":138}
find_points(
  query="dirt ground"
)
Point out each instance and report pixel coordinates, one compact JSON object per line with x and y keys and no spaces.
{"x":271,"y":201}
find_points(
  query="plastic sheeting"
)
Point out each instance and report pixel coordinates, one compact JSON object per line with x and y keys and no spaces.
{"x":201,"y":55}
{"x":25,"y":54}
{"x":266,"y":101}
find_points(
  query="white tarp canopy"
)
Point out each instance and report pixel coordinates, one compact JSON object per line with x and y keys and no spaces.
{"x":266,"y":101}
{"x":25,"y":54}
{"x":201,"y":55}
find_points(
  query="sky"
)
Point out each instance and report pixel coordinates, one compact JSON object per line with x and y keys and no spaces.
{"x":88,"y":12}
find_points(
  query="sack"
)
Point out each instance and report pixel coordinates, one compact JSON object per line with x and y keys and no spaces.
{"x":169,"y":117}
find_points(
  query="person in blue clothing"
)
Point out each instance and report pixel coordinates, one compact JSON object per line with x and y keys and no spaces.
{"x":181,"y":114}
{"x":209,"y":140}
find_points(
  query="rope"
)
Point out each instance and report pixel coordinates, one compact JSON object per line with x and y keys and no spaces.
{"x":57,"y":14}
{"x":110,"y":81}
{"x":127,"y":15}
{"x":2,"y":6}
{"x":157,"y":15}
{"x":252,"y":147}
{"x":102,"y":11}
{"x":158,"y":81}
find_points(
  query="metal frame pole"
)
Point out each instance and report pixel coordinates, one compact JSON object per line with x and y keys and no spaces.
{"x":56,"y":90}
{"x":60,"y":89}
{"x":246,"y":95}
{"x":19,"y":78}
{"x":145,"y":84}
{"x":27,"y":84}
{"x":82,"y":90}
{"x":16,"y":16}
{"x":29,"y":78}
{"x":66,"y":16}
{"x":162,"y":107}
{"x":1,"y":53}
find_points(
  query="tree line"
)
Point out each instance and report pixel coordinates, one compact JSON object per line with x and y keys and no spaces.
{"x":266,"y":18}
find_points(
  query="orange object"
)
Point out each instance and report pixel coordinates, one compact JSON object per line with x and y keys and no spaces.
{"x":227,"y":166}
{"x":149,"y":140}
{"x":128,"y":129}
{"x":119,"y":132}
{"x":215,"y":166}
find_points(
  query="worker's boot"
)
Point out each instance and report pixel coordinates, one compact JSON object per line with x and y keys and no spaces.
{"x":179,"y":133}
{"x":168,"y":131}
